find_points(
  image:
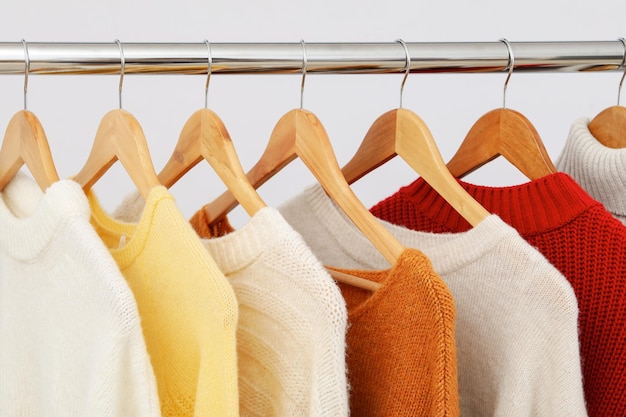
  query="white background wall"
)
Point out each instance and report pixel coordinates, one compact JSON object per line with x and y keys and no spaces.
{"x":70,"y":107}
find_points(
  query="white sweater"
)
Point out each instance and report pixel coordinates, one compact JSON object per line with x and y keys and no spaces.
{"x":292,"y":319}
{"x":516,"y":328}
{"x":71,"y":342}
{"x":601,"y":171}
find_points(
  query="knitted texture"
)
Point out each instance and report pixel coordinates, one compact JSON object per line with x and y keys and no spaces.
{"x":578,"y":236}
{"x":203,"y":226}
{"x":71,"y":343}
{"x":516,"y":315}
{"x":601,"y":171}
{"x":401,"y":354}
{"x":292,"y":319}
{"x":188,"y":308}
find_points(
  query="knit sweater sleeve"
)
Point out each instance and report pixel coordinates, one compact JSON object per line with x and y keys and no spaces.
{"x":71,"y":341}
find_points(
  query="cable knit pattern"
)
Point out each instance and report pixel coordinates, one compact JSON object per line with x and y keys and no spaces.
{"x":578,"y":236}
{"x":600,"y":170}
{"x":291,"y":336}
{"x":71,"y":343}
{"x":516,"y":328}
{"x":188,"y":308}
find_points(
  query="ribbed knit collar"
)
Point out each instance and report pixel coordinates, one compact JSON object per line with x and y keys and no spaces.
{"x":30,"y":218}
{"x":531,"y":208}
{"x":600,"y":170}
{"x":240,"y":248}
{"x":468,"y":246}
{"x":126,"y":241}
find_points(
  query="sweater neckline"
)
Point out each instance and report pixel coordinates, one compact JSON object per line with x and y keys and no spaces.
{"x":388,"y":278}
{"x":240,"y":248}
{"x":30,"y":218}
{"x":126,"y":241}
{"x":600,"y":170}
{"x":470,"y":245}
{"x":533,"y":207}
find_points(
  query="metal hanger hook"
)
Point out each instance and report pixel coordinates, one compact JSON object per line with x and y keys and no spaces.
{"x":26,"y":71}
{"x":623,"y":64}
{"x":304,"y":65}
{"x":122,"y":70}
{"x":510,"y":65}
{"x":208,"y":72}
{"x":407,"y":67}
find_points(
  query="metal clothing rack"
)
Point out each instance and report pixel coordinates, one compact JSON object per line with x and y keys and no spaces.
{"x":323,"y":58}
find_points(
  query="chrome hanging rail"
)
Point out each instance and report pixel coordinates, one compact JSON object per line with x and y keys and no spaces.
{"x":328,"y":58}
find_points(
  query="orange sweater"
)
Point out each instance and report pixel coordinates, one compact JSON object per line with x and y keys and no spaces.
{"x":201,"y":223}
{"x":401,"y":349}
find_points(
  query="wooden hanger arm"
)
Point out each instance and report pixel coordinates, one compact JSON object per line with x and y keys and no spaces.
{"x":25,"y":143}
{"x":219,"y":151}
{"x":503,"y":132}
{"x":353,"y":280}
{"x":402,"y":132}
{"x":278,"y":154}
{"x":416,"y":146}
{"x":120,"y":137}
{"x":188,"y":152}
{"x":609,"y":127}
{"x":475,"y":150}
{"x":204,"y":136}
{"x":313,"y":147}
{"x":377,"y":148}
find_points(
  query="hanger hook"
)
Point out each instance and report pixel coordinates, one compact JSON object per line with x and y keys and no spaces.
{"x":208,"y":72}
{"x":623,"y":64}
{"x":304,"y":65}
{"x":510,"y":65}
{"x":26,"y":71}
{"x":122,"y":70}
{"x":406,"y":69}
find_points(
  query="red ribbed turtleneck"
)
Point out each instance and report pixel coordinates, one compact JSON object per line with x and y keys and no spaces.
{"x":578,"y":236}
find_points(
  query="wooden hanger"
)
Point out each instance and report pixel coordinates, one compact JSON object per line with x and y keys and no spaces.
{"x":120,"y":137}
{"x":402,"y":132}
{"x":204,"y":136}
{"x":503,"y":132}
{"x":299,"y":133}
{"x":609,"y":126}
{"x":25,"y":143}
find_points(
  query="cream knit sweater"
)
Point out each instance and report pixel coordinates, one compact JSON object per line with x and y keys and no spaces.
{"x":71,"y":343}
{"x":292,"y":319}
{"x":516,"y":328}
{"x":601,"y":171}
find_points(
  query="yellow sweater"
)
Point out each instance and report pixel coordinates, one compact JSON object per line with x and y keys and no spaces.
{"x":187,"y":307}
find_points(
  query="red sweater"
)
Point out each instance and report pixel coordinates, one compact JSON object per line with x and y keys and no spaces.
{"x":578,"y":236}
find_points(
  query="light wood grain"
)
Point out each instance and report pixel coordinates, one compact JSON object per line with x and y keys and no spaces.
{"x":299,"y":133}
{"x":609,"y":127}
{"x":204,"y":136}
{"x":25,"y":143}
{"x":503,"y":132}
{"x":120,"y":137}
{"x":402,"y":132}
